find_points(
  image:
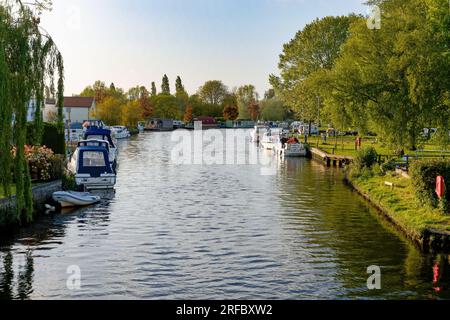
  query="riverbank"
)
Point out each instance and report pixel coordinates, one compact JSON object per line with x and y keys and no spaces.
{"x":428,"y":228}
{"x":41,"y":195}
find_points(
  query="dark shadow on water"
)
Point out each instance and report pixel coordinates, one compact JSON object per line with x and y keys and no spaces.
{"x":17,"y":276}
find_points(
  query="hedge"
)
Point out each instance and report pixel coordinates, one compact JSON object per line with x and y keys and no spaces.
{"x":51,"y":138}
{"x":424,"y":174}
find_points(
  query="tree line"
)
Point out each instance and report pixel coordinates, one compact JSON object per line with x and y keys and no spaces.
{"x":214,"y":99}
{"x":389,"y":76}
{"x":29,"y":62}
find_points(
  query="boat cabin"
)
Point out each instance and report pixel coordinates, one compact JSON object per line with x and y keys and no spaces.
{"x":92,"y":168}
{"x":94,"y":143}
{"x":100,"y":134}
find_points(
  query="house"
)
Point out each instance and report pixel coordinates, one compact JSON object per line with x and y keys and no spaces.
{"x":78,"y":109}
{"x":48,"y":110}
{"x":159,"y":125}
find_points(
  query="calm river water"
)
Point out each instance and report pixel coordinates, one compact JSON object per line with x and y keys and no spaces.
{"x":218,"y":232}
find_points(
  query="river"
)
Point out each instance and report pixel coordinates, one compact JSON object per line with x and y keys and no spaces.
{"x":218,"y":232}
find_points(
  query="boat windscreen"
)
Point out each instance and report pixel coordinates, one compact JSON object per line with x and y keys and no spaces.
{"x":93,"y":159}
{"x":95,"y":137}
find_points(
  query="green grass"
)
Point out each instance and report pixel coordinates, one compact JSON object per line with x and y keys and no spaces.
{"x":345,"y":146}
{"x":13,"y":189}
{"x":401,"y":204}
{"x":3,"y":193}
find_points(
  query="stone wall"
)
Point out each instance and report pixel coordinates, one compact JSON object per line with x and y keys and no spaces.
{"x":42,"y":194}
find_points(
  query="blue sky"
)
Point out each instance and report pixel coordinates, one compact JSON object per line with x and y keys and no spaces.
{"x":131,"y":42}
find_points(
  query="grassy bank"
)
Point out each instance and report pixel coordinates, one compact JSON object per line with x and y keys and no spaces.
{"x":427,"y":226}
{"x":3,"y":193}
{"x":345,"y":146}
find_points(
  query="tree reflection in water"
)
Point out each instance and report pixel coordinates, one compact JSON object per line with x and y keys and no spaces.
{"x":17,"y":276}
{"x":23,"y":287}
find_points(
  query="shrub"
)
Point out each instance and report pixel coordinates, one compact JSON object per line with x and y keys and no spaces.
{"x":57,"y":167}
{"x":391,"y":165}
{"x":68,"y":182}
{"x":50,"y":137}
{"x":40,"y":162}
{"x":424,"y":174}
{"x":53,"y":139}
{"x":366,"y":157}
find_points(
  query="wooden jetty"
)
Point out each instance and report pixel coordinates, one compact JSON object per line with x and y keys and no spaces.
{"x":330,"y":159}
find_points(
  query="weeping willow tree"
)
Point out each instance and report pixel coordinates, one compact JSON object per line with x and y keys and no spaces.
{"x":29,"y":61}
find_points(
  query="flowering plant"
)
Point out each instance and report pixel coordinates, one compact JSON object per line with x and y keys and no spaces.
{"x":39,"y":160}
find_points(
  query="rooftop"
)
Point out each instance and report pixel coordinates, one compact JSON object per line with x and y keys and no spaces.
{"x":78,"y":102}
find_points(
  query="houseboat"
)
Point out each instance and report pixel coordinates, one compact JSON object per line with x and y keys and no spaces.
{"x":92,"y":168}
{"x":159,"y":125}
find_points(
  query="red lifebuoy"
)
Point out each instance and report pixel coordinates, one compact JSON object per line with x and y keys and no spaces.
{"x":440,"y":187}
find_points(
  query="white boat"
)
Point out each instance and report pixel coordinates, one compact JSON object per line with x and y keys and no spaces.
{"x":92,"y":168}
{"x":258,"y":133}
{"x":271,"y":138}
{"x":120,"y":132}
{"x":293,"y":150}
{"x":69,"y":199}
{"x":105,"y":134}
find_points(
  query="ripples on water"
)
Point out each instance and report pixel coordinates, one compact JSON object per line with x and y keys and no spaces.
{"x":217,"y":232}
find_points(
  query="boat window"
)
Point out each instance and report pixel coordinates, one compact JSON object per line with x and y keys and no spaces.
{"x":93,"y":159}
{"x":95,"y":137}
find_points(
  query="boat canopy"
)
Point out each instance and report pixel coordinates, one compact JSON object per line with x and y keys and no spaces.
{"x":94,"y":143}
{"x":93,"y":161}
{"x":99,"y":134}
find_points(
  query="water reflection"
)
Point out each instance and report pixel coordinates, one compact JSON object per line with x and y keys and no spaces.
{"x":18,"y":252}
{"x":215,"y":232}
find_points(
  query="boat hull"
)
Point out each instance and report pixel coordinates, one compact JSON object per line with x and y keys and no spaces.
{"x":103,"y":182}
{"x":75,"y":199}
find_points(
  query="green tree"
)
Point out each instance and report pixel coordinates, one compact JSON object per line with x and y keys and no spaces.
{"x":273,"y":109}
{"x":179,"y":88}
{"x":131,"y":113}
{"x":166,"y":106}
{"x":213,"y":92}
{"x":28,"y":58}
{"x":165,"y":86}
{"x":313,"y":50}
{"x":110,"y":110}
{"x":396,"y":78}
{"x":154,"y":92}
{"x":245,"y":96}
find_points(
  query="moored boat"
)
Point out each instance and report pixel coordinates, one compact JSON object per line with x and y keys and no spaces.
{"x":69,"y":199}
{"x":271,"y":138}
{"x":120,"y":132}
{"x":92,"y":168}
{"x":293,"y":149}
{"x":105,"y":135}
{"x":258,"y":133}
